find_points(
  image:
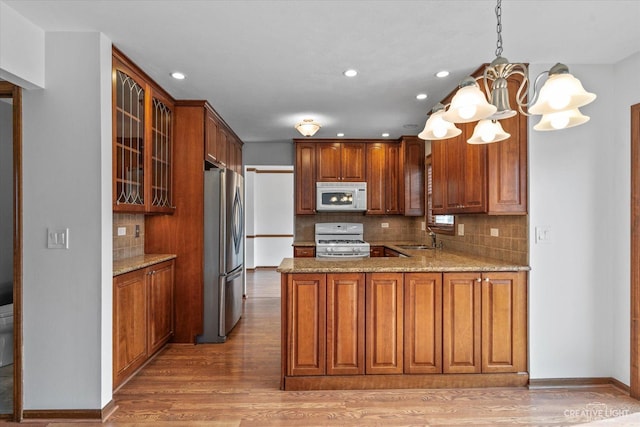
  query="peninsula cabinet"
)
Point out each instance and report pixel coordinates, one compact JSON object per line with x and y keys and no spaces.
{"x":484,"y":322}
{"x":143,"y":141}
{"x":143,"y":318}
{"x":383,"y":180}
{"x":343,"y":330}
{"x":489,"y":178}
{"x":340,"y":161}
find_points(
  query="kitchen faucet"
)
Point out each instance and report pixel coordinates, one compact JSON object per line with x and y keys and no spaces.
{"x":433,"y":238}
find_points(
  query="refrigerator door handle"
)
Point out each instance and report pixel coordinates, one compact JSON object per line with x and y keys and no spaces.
{"x":238,"y":214}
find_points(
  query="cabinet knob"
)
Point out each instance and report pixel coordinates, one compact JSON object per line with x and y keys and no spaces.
{"x":486,"y":279}
{"x":479,"y":280}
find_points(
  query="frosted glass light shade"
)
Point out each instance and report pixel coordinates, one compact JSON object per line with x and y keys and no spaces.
{"x":488,"y":131}
{"x":561,"y":92}
{"x":437,"y":128}
{"x":307,"y":127}
{"x":561,"y":120}
{"x":469,"y":105}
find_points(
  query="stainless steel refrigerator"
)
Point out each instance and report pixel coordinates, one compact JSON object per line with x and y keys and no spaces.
{"x":223,"y":253}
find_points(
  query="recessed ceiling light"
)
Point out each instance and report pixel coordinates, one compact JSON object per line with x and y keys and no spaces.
{"x":178,"y":75}
{"x":340,"y":134}
{"x":385,"y":135}
{"x":441,"y":74}
{"x":421,"y":96}
{"x":350,"y":73}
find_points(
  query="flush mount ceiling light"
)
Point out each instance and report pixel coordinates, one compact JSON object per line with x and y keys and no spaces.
{"x":307,"y":127}
{"x":558,"y":100}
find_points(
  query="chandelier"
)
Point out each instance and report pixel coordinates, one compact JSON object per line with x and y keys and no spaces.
{"x":307,"y":127}
{"x":557,"y":101}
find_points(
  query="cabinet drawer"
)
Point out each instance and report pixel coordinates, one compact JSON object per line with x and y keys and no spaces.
{"x":304,"y":251}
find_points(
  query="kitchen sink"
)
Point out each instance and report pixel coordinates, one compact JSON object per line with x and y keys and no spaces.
{"x":414,"y":247}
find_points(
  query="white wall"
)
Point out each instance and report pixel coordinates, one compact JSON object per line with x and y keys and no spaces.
{"x":579,"y":187}
{"x":21,"y":50}
{"x":66,"y":166}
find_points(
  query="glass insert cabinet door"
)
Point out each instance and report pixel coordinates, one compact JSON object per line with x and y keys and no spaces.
{"x":143,"y":144}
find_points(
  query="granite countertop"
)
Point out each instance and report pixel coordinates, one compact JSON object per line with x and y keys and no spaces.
{"x":436,"y":260}
{"x":134,"y":263}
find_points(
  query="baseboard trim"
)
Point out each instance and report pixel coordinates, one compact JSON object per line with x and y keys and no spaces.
{"x":577,"y":383}
{"x":75,"y":415}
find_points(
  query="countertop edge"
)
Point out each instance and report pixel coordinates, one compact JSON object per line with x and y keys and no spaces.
{"x":135,"y":263}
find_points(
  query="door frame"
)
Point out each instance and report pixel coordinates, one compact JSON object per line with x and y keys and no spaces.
{"x":8,"y":90}
{"x":635,"y":253}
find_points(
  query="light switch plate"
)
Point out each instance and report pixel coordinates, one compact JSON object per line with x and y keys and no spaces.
{"x":384,"y":225}
{"x":495,"y":232}
{"x":460,"y":229}
{"x":58,"y":238}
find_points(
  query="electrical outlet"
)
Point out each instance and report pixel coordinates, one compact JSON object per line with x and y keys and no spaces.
{"x":384,"y":225}
{"x":122,"y":231}
{"x":460,"y":229}
{"x":137,"y":230}
{"x":423,"y":226}
{"x":543,"y":234}
{"x":495,"y":232}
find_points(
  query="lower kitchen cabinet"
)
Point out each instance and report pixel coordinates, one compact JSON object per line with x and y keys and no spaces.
{"x":422,"y":323}
{"x":404,"y":330}
{"x":306,"y":319}
{"x":142,"y":317}
{"x":384,"y":319}
{"x":345,"y":323}
{"x":484,"y":322}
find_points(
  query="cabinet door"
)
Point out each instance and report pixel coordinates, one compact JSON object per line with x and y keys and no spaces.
{"x":211,"y":137}
{"x":345,"y":324}
{"x":222,"y":144}
{"x":304,"y":252}
{"x":306,"y":324}
{"x":305,"y":175}
{"x":328,"y":161}
{"x":129,"y":139}
{"x":438,"y":177}
{"x":474,"y":174}
{"x":161,"y":318}
{"x":454,"y":173}
{"x":504,"y":322}
{"x":129,"y":324}
{"x":413,"y":176}
{"x":376,"y":185}
{"x":376,"y":251}
{"x":352,"y":159}
{"x":461,"y":327}
{"x":238,"y":157}
{"x":392,"y":187}
{"x":384,"y":320}
{"x":507,"y":174}
{"x":423,"y":323}
{"x":160,"y":192}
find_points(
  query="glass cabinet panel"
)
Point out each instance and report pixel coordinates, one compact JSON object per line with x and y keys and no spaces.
{"x":162,"y":155}
{"x":129,"y":168}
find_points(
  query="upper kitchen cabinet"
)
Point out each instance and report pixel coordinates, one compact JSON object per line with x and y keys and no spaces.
{"x":305,"y":176}
{"x":383,"y":180}
{"x":222,"y":147}
{"x":143,"y":141}
{"x":489,"y":178}
{"x":412,"y":189}
{"x":340,"y":161}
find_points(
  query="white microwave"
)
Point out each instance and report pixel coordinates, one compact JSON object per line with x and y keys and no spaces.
{"x":341,"y":196}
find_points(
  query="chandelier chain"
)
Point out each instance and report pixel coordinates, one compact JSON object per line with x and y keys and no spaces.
{"x":499,"y":28}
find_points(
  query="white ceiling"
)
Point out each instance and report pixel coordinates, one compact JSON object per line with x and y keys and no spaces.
{"x":264,"y":65}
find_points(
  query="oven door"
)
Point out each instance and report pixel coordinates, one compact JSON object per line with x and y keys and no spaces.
{"x":335,"y":199}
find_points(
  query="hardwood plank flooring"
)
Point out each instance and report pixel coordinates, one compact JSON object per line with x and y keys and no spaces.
{"x":235,"y":384}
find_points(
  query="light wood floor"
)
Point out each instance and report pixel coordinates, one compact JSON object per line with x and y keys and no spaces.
{"x":236,"y":384}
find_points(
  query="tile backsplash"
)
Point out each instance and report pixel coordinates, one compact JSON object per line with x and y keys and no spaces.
{"x":511,"y":243}
{"x":129,"y":245}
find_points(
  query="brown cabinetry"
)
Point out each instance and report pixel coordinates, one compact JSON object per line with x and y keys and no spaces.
{"x":142,"y":317}
{"x":182,"y":233}
{"x":384,"y":320}
{"x":489,"y":178}
{"x":143,"y":141}
{"x":306,"y":324}
{"x":340,"y":161}
{"x":376,"y":251}
{"x":222,"y":148}
{"x":484,"y":322}
{"x":345,"y":324}
{"x":304,"y":252}
{"x":412,"y":173}
{"x":422,"y":323}
{"x":305,"y":177}
{"x":383,"y":180}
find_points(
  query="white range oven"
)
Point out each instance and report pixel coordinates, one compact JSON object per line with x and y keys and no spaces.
{"x":340,"y":240}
